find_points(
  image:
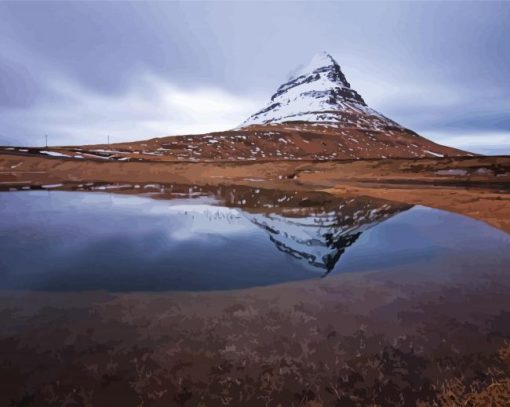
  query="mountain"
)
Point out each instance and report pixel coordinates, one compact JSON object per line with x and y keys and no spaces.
{"x":319,"y":94}
{"x":315,"y":115}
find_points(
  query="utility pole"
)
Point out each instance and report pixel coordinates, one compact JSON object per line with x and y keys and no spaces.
{"x":46,"y":140}
{"x":108,"y":140}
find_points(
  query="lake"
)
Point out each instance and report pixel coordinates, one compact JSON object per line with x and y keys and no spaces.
{"x":190,"y":239}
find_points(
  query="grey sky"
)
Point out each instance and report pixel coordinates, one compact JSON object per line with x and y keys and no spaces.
{"x":80,"y":71}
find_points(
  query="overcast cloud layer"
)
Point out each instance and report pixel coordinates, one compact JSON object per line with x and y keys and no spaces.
{"x":81,"y":71}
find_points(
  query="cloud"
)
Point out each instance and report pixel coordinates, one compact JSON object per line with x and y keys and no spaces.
{"x":151,"y":107}
{"x":479,"y":142}
{"x":472,"y":118}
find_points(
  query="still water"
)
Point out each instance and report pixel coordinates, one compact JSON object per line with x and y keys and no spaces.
{"x":62,"y":240}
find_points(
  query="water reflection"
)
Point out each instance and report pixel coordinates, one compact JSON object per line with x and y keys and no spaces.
{"x":313,"y":227}
{"x":202,"y":238}
{"x":320,"y":237}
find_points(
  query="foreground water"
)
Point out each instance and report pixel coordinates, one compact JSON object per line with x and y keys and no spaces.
{"x":61,"y":241}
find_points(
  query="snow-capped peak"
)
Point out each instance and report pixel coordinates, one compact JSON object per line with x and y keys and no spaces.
{"x":319,"y":94}
{"x":318,"y":61}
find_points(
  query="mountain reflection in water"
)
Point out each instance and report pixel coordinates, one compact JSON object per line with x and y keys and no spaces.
{"x":316,"y":228}
{"x":180,"y":237}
